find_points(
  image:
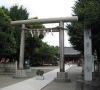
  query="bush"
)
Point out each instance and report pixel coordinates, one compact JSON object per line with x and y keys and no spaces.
{"x":39,"y":72}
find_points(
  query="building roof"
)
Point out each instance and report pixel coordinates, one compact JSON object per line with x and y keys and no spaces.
{"x":71,"y":51}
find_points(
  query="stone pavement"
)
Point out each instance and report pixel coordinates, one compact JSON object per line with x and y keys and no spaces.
{"x":33,"y":83}
{"x":73,"y":73}
{"x":6,"y":79}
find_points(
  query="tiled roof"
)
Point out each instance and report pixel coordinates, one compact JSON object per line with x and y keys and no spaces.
{"x":70,"y":51}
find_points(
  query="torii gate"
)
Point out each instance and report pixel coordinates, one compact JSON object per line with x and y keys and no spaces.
{"x":61,"y":20}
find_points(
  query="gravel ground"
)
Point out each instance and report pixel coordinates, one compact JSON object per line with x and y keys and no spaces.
{"x":7,"y":79}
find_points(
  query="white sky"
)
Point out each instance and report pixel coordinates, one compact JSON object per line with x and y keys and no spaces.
{"x":46,"y":9}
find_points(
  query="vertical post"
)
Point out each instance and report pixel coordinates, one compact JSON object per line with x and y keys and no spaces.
{"x":87,"y":55}
{"x":22,"y":45}
{"x":92,"y":63}
{"x":61,"y":46}
{"x":82,"y":60}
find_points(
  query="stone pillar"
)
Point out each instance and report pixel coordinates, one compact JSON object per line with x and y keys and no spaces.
{"x":87,"y":55}
{"x":20,"y":73}
{"x":62,"y":75}
{"x":22,"y":45}
{"x":61,"y":46}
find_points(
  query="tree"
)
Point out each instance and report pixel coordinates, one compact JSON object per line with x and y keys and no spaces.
{"x":45,"y":53}
{"x":75,"y":31}
{"x":7,"y":42}
{"x":88,"y":12}
{"x":4,"y":19}
{"x":33,"y":40}
{"x":35,"y":48}
{"x":49,"y":54}
{"x":17,"y":13}
{"x":10,"y":35}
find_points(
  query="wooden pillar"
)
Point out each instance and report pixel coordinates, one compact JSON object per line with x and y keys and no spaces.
{"x":87,"y":55}
{"x":22,"y":45}
{"x":61,"y":46}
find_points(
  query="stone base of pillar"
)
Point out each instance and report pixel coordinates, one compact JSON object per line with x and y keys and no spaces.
{"x":62,"y":77}
{"x":28,"y":70}
{"x":20,"y":74}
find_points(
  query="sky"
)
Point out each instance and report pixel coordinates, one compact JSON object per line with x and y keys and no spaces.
{"x":46,"y":9}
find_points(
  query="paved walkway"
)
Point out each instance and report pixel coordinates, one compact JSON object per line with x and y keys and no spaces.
{"x":73,"y":74}
{"x":33,"y":83}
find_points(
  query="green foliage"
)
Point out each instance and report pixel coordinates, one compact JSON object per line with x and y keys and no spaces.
{"x":31,"y":44}
{"x":47,"y":53}
{"x":18,"y":13}
{"x":10,"y":36}
{"x":4,"y":19}
{"x":39,"y":72}
{"x":6,"y":11}
{"x":75,"y":32}
{"x":5,"y":35}
{"x":39,"y":51}
{"x":35,"y":48}
{"x":88,"y":12}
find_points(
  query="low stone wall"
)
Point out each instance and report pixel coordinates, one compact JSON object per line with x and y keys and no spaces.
{"x":9,"y":67}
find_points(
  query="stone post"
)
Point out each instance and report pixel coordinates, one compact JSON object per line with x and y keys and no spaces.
{"x":22,"y":45}
{"x":87,"y":55}
{"x":21,"y":72}
{"x":61,"y":46}
{"x":62,"y":75}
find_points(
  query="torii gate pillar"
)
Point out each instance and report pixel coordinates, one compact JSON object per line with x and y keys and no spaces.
{"x":61,"y":46}
{"x":22,"y":45}
{"x":62,"y":75}
{"x":20,"y":72}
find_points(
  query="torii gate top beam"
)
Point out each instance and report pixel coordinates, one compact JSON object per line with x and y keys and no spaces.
{"x":44,"y":21}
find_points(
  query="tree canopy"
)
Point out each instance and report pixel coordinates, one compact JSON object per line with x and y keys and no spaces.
{"x":6,"y":38}
{"x":88,"y":12}
{"x":11,"y":34}
{"x":35,"y":48}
